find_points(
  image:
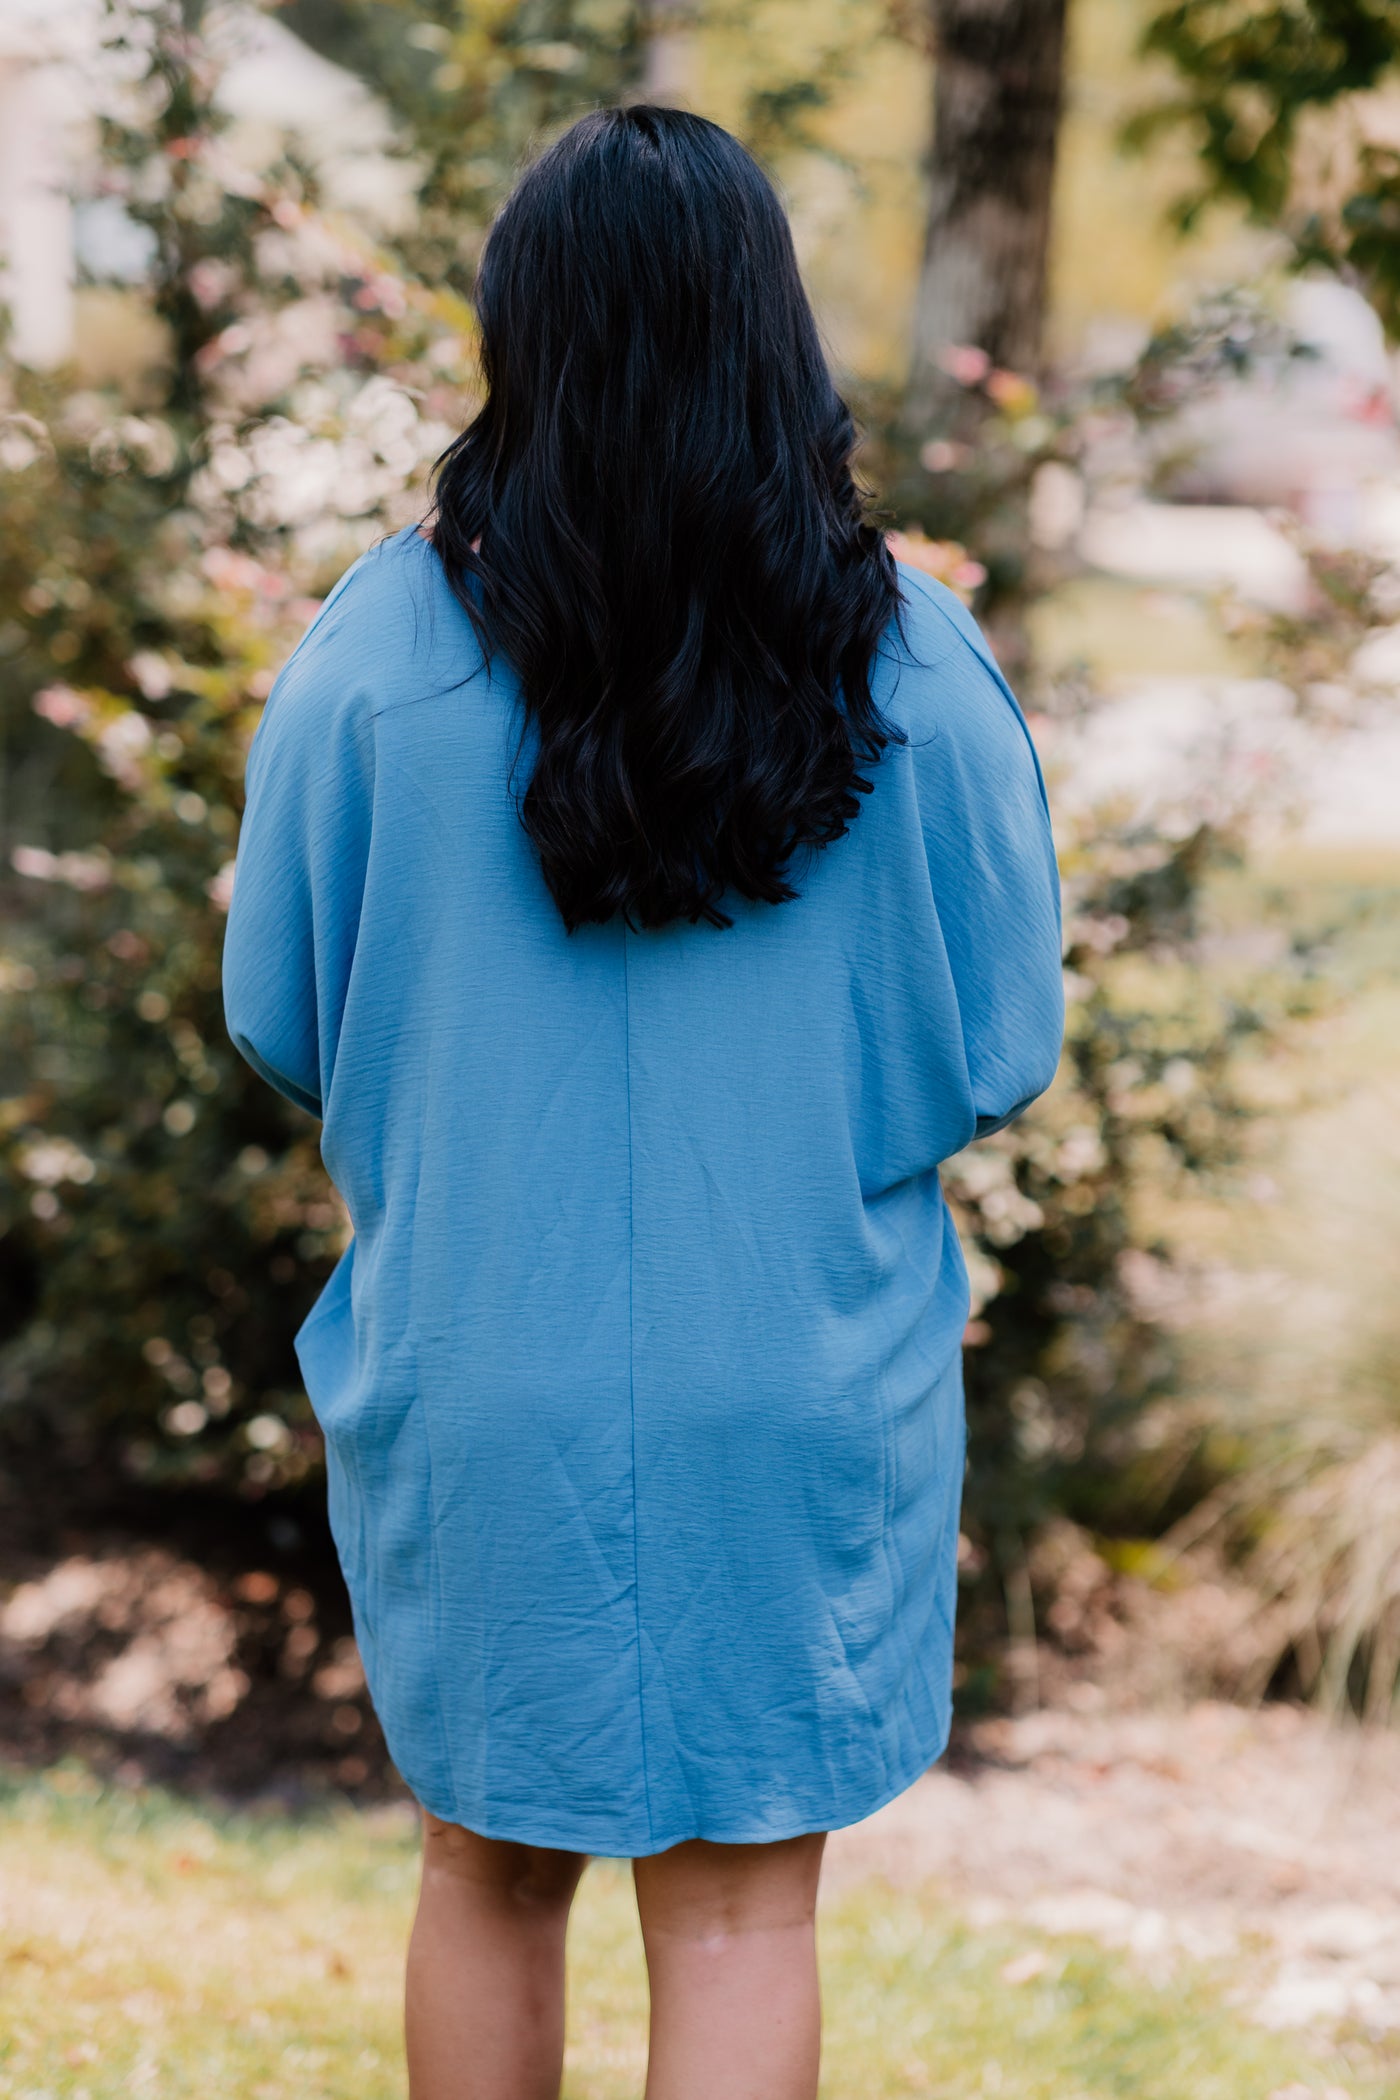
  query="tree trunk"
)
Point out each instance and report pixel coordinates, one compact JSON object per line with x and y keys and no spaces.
{"x":997,"y":100}
{"x":669,"y":60}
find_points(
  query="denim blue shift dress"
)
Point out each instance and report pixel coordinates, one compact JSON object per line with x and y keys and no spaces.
{"x":640,"y":1376}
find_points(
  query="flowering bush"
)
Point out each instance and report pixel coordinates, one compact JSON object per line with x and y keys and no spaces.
{"x":166,"y":1218}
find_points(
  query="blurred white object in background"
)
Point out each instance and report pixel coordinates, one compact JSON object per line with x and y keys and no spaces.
{"x":1203,"y":546}
{"x":1190,"y":750}
{"x":274,"y":88}
{"x":1309,"y":439}
{"x":55,"y":76}
{"x":1309,"y":433}
{"x":41,"y":114}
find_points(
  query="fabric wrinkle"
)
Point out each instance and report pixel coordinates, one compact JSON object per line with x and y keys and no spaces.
{"x":640,"y":1378}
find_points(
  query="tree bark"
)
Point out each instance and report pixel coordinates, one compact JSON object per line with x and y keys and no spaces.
{"x":997,"y":100}
{"x":669,"y":61}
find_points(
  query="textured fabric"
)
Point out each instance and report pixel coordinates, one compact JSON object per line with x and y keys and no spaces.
{"x":640,"y":1377}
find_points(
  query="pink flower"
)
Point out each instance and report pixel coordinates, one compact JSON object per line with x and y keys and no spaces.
{"x":965,"y":363}
{"x":219,"y":888}
{"x":63,"y":707}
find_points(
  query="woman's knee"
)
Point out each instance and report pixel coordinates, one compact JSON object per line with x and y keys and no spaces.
{"x":719,"y":1892}
{"x":532,"y":1878}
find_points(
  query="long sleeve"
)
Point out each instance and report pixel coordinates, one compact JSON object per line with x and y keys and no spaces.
{"x":299,"y":874}
{"x":991,"y":857}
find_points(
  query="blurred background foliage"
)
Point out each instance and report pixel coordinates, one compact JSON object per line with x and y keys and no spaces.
{"x":288,"y":363}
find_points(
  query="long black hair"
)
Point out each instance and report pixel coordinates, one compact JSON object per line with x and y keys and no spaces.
{"x":673,"y":554}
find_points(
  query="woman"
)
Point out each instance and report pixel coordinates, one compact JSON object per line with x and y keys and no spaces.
{"x":648,"y":886}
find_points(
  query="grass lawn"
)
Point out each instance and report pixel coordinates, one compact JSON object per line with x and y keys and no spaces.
{"x":151,"y":1948}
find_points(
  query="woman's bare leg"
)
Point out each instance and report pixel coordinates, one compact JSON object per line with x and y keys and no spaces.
{"x":484,"y":2003}
{"x":731,"y":1951}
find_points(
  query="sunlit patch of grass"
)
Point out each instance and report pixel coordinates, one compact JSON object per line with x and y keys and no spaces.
{"x":148,"y":1947}
{"x":151,"y":1948}
{"x":946,"y":2011}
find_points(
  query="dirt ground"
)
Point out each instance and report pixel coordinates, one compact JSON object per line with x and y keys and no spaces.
{"x":1266,"y":1840}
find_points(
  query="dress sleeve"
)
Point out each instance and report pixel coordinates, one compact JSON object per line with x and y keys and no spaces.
{"x":996,"y":887}
{"x":299,"y":875}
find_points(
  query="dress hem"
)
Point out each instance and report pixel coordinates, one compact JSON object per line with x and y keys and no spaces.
{"x":553,"y":1838}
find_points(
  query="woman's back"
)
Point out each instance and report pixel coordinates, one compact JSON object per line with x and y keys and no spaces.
{"x":639,"y":1378}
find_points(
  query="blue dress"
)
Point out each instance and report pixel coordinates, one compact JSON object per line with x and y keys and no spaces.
{"x":640,"y":1377}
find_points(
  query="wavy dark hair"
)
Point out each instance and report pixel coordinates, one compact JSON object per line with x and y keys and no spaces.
{"x":653,"y":517}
